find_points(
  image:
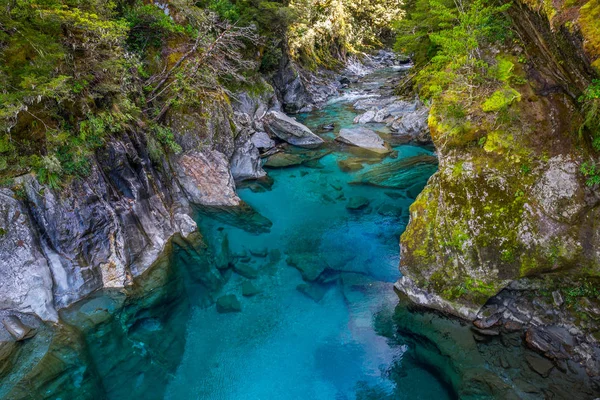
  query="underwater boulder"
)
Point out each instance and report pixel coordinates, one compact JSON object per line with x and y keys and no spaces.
{"x":228,"y":304}
{"x":249,"y":289}
{"x":357,"y":203}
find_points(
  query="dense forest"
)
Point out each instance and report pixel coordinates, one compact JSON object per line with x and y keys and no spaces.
{"x":73,"y":73}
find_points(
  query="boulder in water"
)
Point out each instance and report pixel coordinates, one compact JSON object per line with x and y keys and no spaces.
{"x":283,"y":160}
{"x":249,"y":289}
{"x":262,"y":140}
{"x":313,"y":291}
{"x":413,"y":126}
{"x":309,"y":265}
{"x":17,"y":329}
{"x":365,"y":118}
{"x":245,"y":162}
{"x":350,"y":165}
{"x":290,"y":130}
{"x":245,"y":270}
{"x":363,"y":138}
{"x":357,"y":203}
{"x":228,"y":304}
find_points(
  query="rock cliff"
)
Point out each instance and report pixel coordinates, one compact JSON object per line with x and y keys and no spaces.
{"x":510,"y":204}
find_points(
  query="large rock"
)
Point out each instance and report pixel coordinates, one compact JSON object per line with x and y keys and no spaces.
{"x":290,"y":130}
{"x":17,"y":329}
{"x":25,"y":278}
{"x":357,"y":203}
{"x":246,"y":163}
{"x":400,"y":174}
{"x":262,"y":140}
{"x":206,"y":178}
{"x":228,"y":304}
{"x":365,"y":118}
{"x":363,"y":138}
{"x":413,"y":126}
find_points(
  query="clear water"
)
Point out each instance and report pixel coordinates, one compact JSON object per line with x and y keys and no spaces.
{"x":170,"y":342}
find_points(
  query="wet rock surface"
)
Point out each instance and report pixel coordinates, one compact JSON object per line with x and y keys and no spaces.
{"x":363,"y":138}
{"x":290,"y":130}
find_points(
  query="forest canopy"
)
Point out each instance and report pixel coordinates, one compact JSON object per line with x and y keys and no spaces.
{"x":75,"y":72}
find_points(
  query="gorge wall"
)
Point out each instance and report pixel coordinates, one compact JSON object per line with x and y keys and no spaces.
{"x":509,"y":210}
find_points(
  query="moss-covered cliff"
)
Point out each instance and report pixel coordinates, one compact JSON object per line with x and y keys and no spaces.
{"x":509,"y":200}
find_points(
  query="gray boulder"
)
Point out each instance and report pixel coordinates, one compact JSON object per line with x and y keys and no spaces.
{"x":262,"y":140}
{"x":17,"y":329}
{"x":290,"y":130}
{"x":25,"y":277}
{"x":365,"y":118}
{"x":363,"y":138}
{"x":206,"y":179}
{"x":413,"y":125}
{"x":245,"y":163}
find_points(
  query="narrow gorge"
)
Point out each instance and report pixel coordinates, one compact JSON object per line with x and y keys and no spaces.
{"x":205,"y":200}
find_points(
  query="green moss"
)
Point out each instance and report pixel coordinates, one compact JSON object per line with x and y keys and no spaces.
{"x":503,"y":70}
{"x":500,"y":99}
{"x":589,"y":15}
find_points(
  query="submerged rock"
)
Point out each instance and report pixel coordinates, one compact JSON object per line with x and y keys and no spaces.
{"x":357,"y":203}
{"x":310,"y":265}
{"x":313,"y":291}
{"x":245,"y":270}
{"x":243,"y":217}
{"x":249,"y":289}
{"x":228,"y":304}
{"x":261,"y":252}
{"x":363,"y":138}
{"x":290,"y":130}
{"x":389,"y":210}
{"x":350,"y":164}
{"x":307,"y":158}
{"x":401,"y":174}
{"x":283,"y":160}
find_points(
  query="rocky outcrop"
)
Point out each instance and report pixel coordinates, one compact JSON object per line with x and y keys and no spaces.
{"x":363,"y":138}
{"x":510,"y":205}
{"x":290,"y":130}
{"x":25,"y":277}
{"x":407,"y":120}
{"x":103,"y":231}
{"x":245,"y":162}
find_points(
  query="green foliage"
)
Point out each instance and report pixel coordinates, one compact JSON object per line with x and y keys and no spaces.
{"x":325,"y":31}
{"x":591,"y":172}
{"x":583,"y":289}
{"x":590,"y":101}
{"x":149,"y":26}
{"x":500,"y":99}
{"x":165,"y":137}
